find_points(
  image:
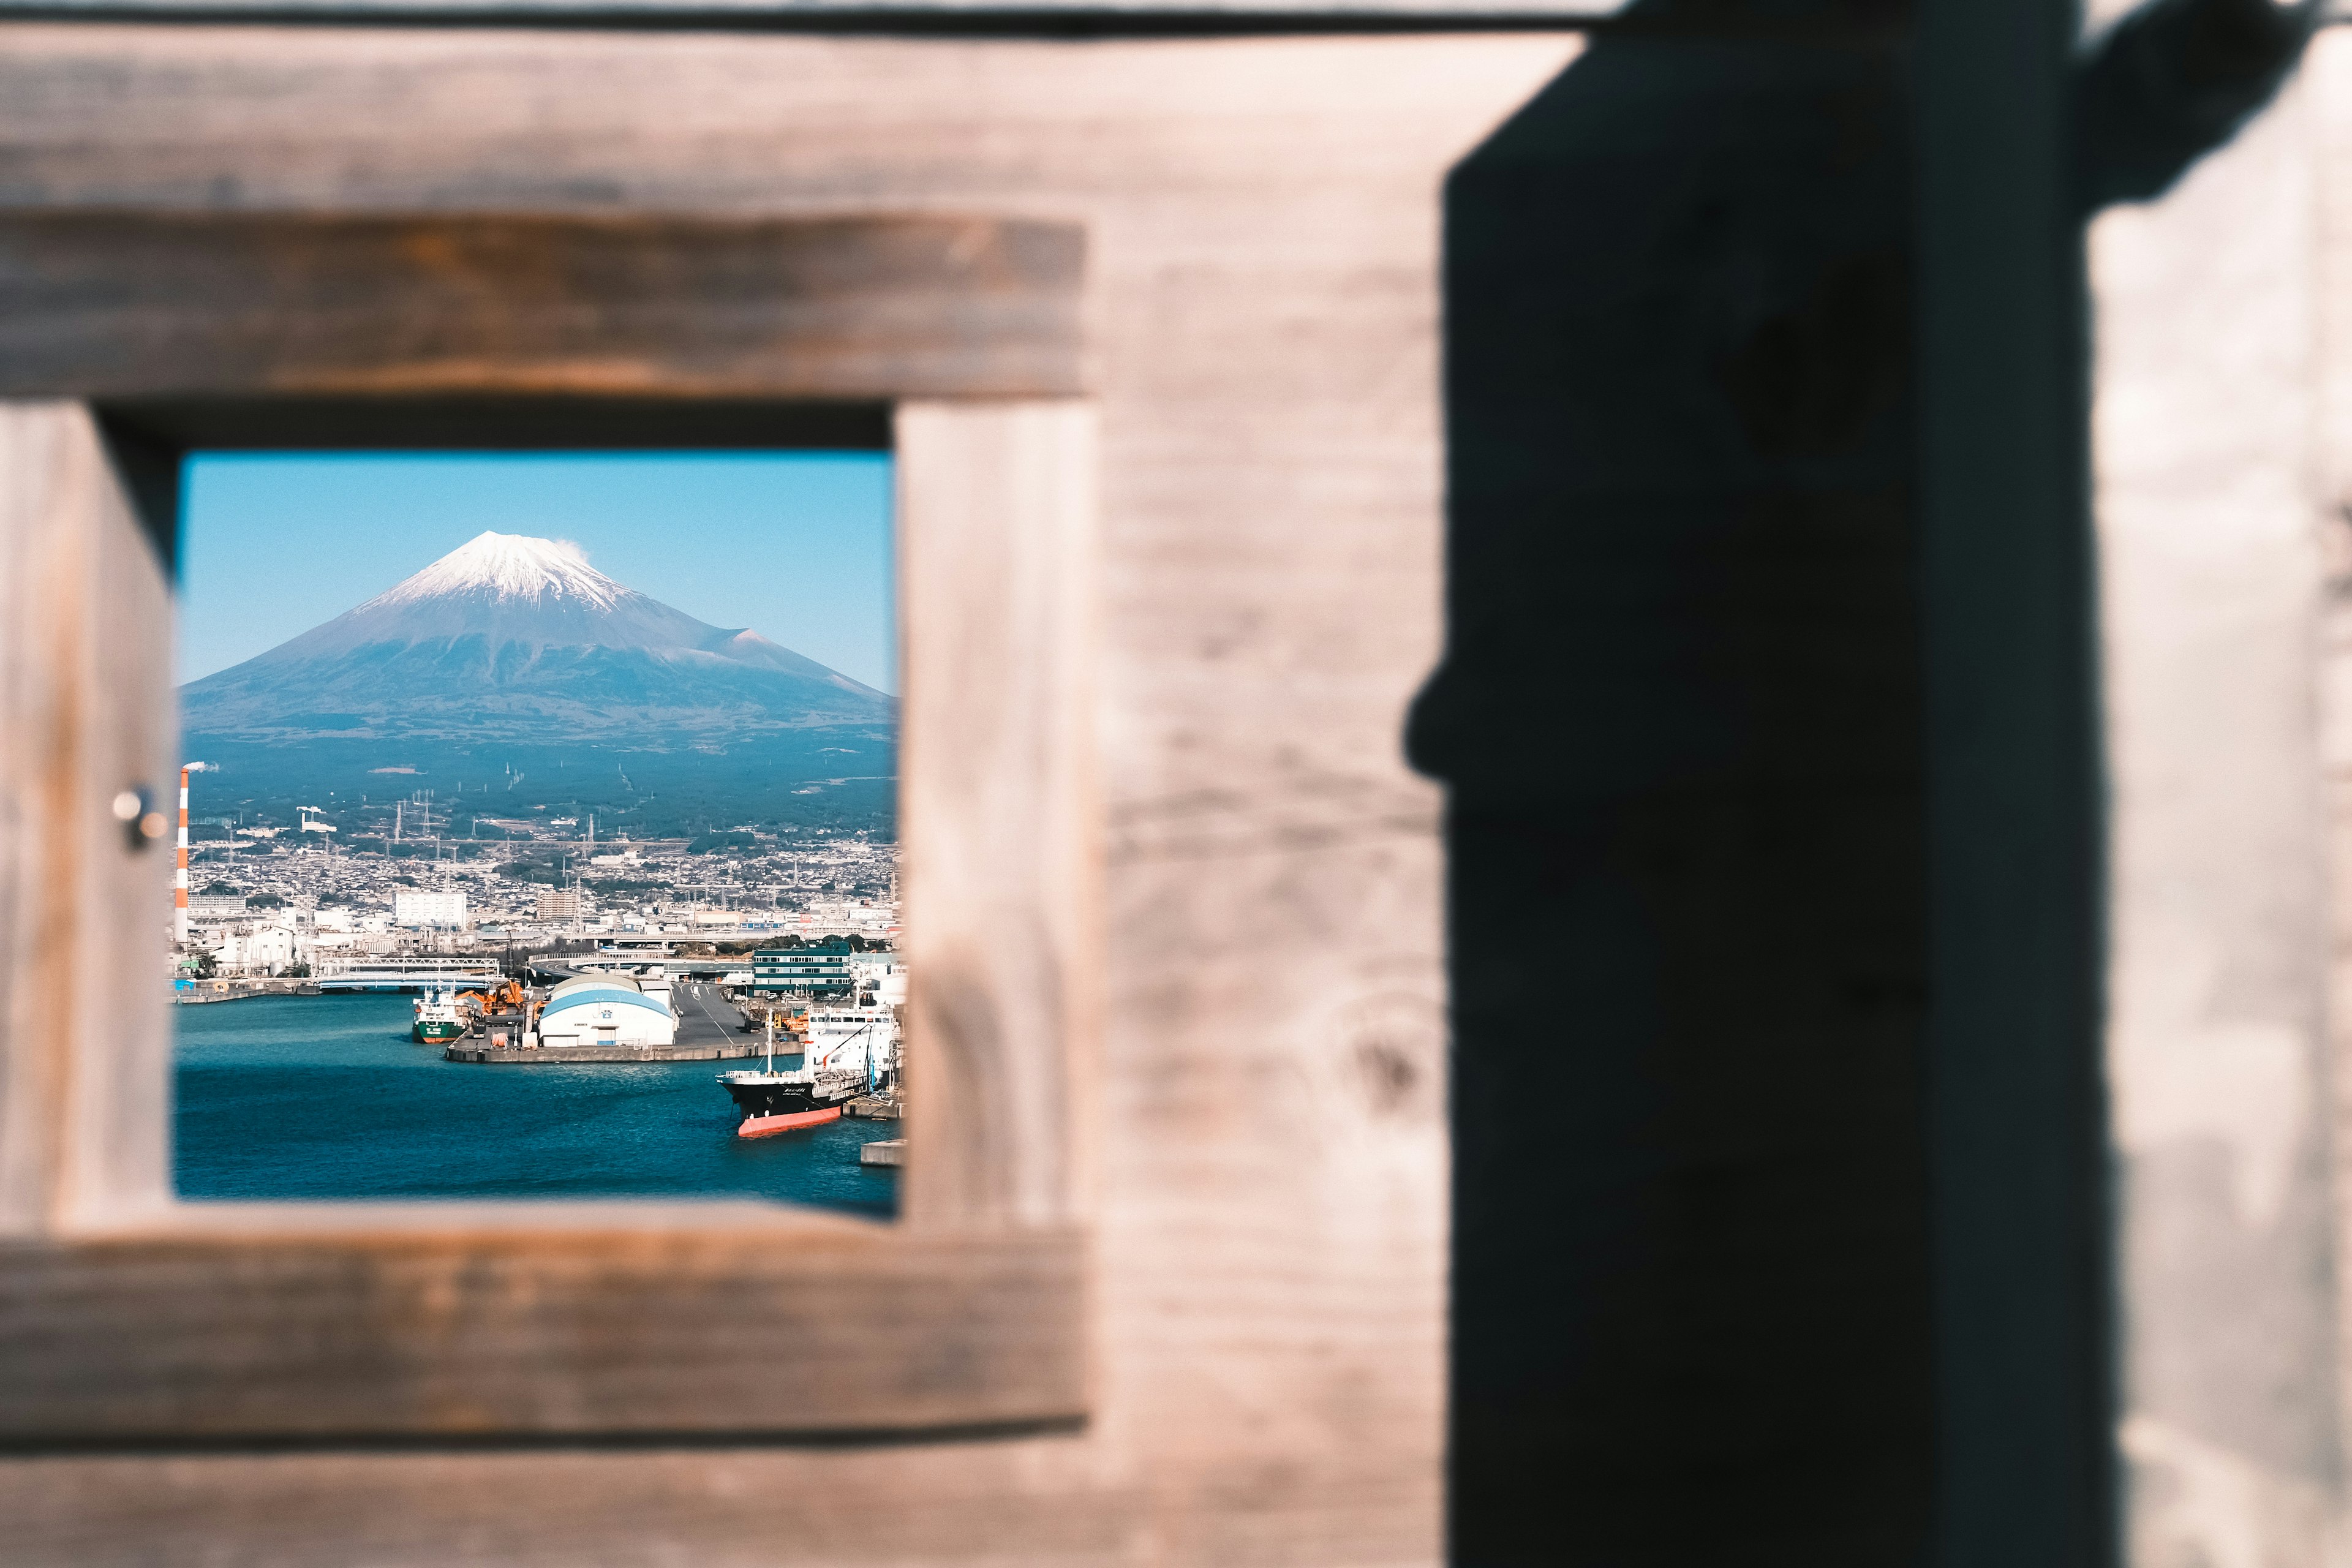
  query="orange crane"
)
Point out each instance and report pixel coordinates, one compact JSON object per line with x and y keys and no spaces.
{"x":506,"y":996}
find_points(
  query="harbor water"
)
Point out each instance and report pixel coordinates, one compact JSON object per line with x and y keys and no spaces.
{"x":327,"y":1097}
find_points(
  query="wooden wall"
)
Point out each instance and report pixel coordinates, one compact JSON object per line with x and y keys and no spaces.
{"x":1268,"y":1133}
{"x":2223,"y":434}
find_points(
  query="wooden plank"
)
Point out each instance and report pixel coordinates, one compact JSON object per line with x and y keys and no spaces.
{"x":2220,"y":461}
{"x":532,"y":1324}
{"x":42,"y":491}
{"x":131,"y":304}
{"x":1438,"y":13}
{"x":1000,"y":827}
{"x":477,"y":423}
{"x":1269,"y":1288}
{"x":86,"y":708}
{"x":748,"y":1328}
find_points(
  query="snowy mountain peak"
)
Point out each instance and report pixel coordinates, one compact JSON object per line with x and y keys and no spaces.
{"x":508,"y":566}
{"x":523,"y":634}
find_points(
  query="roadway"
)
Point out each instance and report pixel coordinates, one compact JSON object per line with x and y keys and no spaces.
{"x":705,"y":1017}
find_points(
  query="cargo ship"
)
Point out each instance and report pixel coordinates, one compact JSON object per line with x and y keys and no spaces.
{"x":438,"y":1019}
{"x":846,"y":1052}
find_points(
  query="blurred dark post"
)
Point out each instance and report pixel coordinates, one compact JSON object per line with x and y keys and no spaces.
{"x":2022,"y":1255}
{"x":1682,"y":715}
{"x":1770,"y":711}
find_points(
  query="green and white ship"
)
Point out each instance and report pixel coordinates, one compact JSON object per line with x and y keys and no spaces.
{"x":439,"y":1019}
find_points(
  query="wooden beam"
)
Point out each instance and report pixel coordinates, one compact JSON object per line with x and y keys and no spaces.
{"x":1000,"y":821}
{"x":784,"y":1326}
{"x":120,"y":304}
{"x":126,"y":1319}
{"x":85,"y":898}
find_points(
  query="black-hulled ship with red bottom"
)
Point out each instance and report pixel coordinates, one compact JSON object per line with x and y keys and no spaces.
{"x":848,"y":1051}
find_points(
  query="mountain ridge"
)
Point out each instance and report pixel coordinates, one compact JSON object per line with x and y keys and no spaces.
{"x":520,"y":636}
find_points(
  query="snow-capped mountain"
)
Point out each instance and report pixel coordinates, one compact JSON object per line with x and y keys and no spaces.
{"x":506,"y":567}
{"x":523,"y":638}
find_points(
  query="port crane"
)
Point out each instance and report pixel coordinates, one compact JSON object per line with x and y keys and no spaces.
{"x":506,"y":996}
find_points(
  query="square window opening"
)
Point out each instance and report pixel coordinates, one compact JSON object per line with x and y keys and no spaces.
{"x":527,"y":829}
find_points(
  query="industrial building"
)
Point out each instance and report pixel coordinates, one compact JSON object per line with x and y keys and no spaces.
{"x":605,"y":1010}
{"x":263,"y":952}
{"x":821,"y":970}
{"x":884,"y":973}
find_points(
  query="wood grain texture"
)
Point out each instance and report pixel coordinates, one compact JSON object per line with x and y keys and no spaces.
{"x":207,"y":1322}
{"x":1000,"y":825}
{"x":138,"y":304}
{"x":1532,"y":13}
{"x":1269,"y":1189}
{"x":751,"y":1327}
{"x":2327,"y":80}
{"x":2209,"y":488}
{"x":191,"y":1331}
{"x":86,"y":707}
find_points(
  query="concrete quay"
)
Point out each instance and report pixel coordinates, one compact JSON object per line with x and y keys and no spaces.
{"x":891,"y":1152}
{"x":709,"y":1029}
{"x":202,"y":991}
{"x":467,"y":1050}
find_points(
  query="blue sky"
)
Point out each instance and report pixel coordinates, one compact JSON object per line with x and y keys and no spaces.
{"x":795,"y":546}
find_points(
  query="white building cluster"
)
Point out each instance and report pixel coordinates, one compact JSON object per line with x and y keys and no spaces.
{"x":299,"y":903}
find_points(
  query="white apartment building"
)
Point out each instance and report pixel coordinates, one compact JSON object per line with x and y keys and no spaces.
{"x":423,"y":907}
{"x":843,"y":917}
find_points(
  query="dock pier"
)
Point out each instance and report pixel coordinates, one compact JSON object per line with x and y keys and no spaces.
{"x":709,"y":1029}
{"x":471,"y":1050}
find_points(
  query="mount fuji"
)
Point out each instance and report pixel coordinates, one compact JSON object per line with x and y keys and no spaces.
{"x":512,"y":678}
{"x":515,"y":640}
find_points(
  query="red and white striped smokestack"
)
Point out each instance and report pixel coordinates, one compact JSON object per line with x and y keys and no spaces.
{"x":180,"y":878}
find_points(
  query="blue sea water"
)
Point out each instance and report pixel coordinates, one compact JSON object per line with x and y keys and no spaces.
{"x":326,"y":1097}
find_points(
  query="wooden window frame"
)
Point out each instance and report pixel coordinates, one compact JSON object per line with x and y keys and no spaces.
{"x":128,"y":1317}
